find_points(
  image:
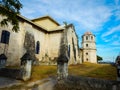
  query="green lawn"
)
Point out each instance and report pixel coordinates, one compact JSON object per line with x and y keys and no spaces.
{"x":103,"y":71}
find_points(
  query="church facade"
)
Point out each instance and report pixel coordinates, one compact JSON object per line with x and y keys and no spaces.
{"x":41,"y":37}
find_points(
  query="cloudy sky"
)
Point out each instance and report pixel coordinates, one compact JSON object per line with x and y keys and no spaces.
{"x":101,"y":17}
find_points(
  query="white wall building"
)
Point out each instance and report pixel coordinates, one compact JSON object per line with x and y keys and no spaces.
{"x":88,"y":50}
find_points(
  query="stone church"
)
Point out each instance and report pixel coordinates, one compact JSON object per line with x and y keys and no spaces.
{"x":42,"y":38}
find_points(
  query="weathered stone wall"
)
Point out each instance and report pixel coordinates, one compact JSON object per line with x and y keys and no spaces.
{"x":29,"y":45}
{"x":91,"y":57}
{"x":54,"y":42}
{"x":11,"y":73}
{"x":84,"y":83}
{"x":73,"y":42}
{"x":14,"y":49}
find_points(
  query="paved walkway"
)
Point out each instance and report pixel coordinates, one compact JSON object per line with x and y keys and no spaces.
{"x":7,"y":82}
{"x":44,"y":84}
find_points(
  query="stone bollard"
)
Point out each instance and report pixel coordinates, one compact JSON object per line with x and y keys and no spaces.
{"x":26,"y":65}
{"x":118,"y":72}
{"x":118,"y":67}
{"x":3,"y":60}
{"x":62,"y":67}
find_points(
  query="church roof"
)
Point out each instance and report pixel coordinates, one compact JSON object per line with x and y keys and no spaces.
{"x":29,"y":21}
{"x":47,"y":16}
{"x":58,"y":28}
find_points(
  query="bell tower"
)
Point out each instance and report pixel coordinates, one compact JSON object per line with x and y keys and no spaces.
{"x":89,"y":48}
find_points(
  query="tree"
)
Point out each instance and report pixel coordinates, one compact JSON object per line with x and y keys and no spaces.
{"x":99,"y":58}
{"x":10,"y":9}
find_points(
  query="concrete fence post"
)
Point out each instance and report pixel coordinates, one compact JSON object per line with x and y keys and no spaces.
{"x":62,"y":67}
{"x":26,"y":65}
{"x":118,"y":72}
{"x":118,"y":67}
{"x":3,"y":60}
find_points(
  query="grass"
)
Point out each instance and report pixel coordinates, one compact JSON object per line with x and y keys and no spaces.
{"x":103,"y":71}
{"x":43,"y":71}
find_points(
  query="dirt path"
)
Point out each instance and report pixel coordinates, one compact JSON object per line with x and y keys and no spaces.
{"x":7,"y":82}
{"x":46,"y":86}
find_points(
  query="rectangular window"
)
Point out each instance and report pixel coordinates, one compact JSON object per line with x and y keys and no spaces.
{"x":5,"y":37}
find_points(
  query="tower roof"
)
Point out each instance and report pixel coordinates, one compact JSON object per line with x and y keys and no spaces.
{"x":87,"y":33}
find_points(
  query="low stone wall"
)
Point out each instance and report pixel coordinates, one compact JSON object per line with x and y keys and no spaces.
{"x":85,"y":83}
{"x":11,"y":73}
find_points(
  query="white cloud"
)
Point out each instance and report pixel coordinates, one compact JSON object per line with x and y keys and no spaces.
{"x":117,"y":2}
{"x":116,"y":43}
{"x":117,"y":13}
{"x":90,"y":15}
{"x":117,"y":9}
{"x":111,"y":31}
{"x":86,"y":14}
{"x":112,"y":38}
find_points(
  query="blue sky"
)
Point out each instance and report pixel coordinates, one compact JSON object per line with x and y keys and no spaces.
{"x":101,"y":17}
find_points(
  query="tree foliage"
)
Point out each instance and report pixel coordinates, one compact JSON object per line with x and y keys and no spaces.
{"x":99,"y":58}
{"x":10,"y":9}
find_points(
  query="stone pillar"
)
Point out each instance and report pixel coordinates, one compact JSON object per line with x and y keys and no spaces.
{"x":62,"y":67}
{"x":118,"y":67}
{"x":26,"y":65}
{"x":62,"y":61}
{"x":3,"y":60}
{"x":118,"y":72}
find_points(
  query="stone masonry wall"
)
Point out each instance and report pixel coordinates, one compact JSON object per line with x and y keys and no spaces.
{"x":85,"y":83}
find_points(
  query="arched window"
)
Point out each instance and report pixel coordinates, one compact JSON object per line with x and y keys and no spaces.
{"x":87,"y":59}
{"x":68,"y":50}
{"x":86,"y":37}
{"x":37,"y":47}
{"x":5,"y":37}
{"x":86,"y":53}
{"x":91,"y":37}
{"x":86,"y":45}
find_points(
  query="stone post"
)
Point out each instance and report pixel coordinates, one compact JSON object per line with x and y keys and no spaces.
{"x":62,"y":61}
{"x":118,"y":67}
{"x":62,"y":67}
{"x":118,"y":72}
{"x":3,"y":60}
{"x":26,"y":65}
